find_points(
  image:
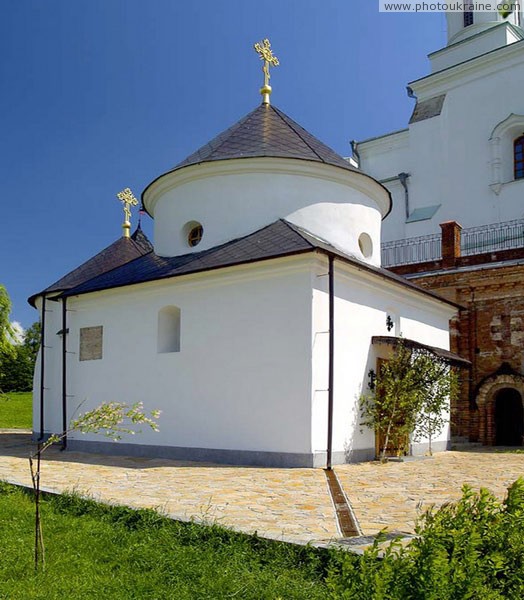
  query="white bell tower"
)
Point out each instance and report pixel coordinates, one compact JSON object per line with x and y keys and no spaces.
{"x":472,"y":33}
{"x":468,"y":23}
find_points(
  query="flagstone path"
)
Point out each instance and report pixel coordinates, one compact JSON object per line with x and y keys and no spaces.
{"x":286,"y":504}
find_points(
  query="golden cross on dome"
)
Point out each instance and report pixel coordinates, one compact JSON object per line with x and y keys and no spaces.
{"x":263,"y":49}
{"x":128,"y":199}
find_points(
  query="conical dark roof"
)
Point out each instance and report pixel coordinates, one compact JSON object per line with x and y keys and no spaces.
{"x":266,"y":131}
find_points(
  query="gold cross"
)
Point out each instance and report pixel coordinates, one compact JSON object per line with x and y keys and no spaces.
{"x":263,"y":49}
{"x":128,"y":199}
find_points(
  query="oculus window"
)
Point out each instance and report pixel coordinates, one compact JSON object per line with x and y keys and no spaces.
{"x":365,"y":245}
{"x":192,"y":232}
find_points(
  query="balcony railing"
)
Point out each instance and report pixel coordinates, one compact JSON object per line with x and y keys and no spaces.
{"x":474,"y":240}
{"x":488,"y":238}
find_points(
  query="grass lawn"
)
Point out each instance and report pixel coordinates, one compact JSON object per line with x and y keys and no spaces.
{"x":16,"y":410}
{"x":96,"y":551}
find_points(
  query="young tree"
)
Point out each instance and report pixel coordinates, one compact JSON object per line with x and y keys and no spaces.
{"x":409,"y":396}
{"x":112,"y":419}
{"x":440,"y":384}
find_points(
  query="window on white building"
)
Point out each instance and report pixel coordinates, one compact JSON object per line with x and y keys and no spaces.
{"x":518,"y":157}
{"x":169,"y":329}
{"x":468,"y":18}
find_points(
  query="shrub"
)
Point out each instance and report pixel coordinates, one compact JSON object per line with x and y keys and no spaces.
{"x":471,"y":549}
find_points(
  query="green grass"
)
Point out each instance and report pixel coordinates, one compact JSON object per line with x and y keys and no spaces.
{"x":16,"y":410}
{"x":96,"y":551}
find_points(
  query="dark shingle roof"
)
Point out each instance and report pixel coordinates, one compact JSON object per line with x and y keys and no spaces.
{"x":118,"y":253}
{"x":264,"y":132}
{"x":273,"y":241}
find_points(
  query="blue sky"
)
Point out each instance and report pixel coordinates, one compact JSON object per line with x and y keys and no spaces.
{"x":98,"y":95}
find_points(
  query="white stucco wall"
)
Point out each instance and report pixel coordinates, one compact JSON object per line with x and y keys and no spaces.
{"x":52,"y":370}
{"x":241,"y":379}
{"x":362,"y":304}
{"x":233,"y":198}
{"x":452,"y":159}
{"x":252,"y":370}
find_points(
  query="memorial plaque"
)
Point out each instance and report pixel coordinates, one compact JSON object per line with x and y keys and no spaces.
{"x":91,"y":343}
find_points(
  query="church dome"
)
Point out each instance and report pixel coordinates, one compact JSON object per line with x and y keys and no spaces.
{"x":264,"y":168}
{"x":266,"y":131}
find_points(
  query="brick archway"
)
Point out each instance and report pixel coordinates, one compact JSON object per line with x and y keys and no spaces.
{"x":486,"y":403}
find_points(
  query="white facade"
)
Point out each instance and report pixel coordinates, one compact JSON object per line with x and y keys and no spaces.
{"x":335,"y":204}
{"x":458,"y":148}
{"x":249,"y":382}
{"x":235,"y":349}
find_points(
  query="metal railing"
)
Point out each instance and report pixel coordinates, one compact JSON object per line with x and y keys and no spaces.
{"x":488,"y":238}
{"x":411,"y":250}
{"x":474,"y":240}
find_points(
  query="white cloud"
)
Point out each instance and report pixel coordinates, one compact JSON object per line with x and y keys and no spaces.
{"x":18,"y":331}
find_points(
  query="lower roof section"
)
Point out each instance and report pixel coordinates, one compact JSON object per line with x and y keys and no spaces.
{"x":277,"y":240}
{"x":450,"y":357}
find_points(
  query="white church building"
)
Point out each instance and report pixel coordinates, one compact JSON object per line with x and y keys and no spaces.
{"x":461,"y":157}
{"x":252,"y":321}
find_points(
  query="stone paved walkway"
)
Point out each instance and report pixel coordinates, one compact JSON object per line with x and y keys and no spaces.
{"x":286,"y":504}
{"x":394,"y":494}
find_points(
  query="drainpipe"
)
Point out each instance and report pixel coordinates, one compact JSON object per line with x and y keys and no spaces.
{"x":403,"y":178}
{"x":331,"y":360}
{"x":64,"y":372}
{"x":354,"y":150}
{"x":42,"y":364}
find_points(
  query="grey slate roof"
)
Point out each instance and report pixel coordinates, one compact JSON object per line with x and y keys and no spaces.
{"x":264,"y":132}
{"x":118,"y":253}
{"x":273,"y":241}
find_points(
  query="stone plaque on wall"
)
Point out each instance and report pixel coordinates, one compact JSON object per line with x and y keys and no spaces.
{"x":91,"y":343}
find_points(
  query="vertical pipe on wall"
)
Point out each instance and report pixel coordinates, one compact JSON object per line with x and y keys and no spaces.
{"x":331,"y":365}
{"x":42,"y":363}
{"x":64,"y":372}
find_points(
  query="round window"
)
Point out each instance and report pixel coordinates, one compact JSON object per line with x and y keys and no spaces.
{"x":365,"y":244}
{"x":193,"y":232}
{"x":195,"y":235}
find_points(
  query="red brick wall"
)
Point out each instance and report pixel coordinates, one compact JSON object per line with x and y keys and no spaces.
{"x":488,"y":332}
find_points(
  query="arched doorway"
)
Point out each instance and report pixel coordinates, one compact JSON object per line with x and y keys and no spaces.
{"x":509,"y":418}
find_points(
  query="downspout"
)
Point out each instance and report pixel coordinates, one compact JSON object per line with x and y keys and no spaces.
{"x":331,"y":365}
{"x":403,"y":178}
{"x":64,"y":372}
{"x":354,"y":150}
{"x":42,"y":364}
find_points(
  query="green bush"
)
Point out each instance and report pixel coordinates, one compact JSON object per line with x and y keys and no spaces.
{"x":473,"y":549}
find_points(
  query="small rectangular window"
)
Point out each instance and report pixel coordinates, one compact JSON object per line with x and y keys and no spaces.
{"x":91,"y":343}
{"x":518,"y":158}
{"x":468,"y":18}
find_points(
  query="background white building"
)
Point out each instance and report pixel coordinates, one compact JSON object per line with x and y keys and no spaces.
{"x":461,"y":156}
